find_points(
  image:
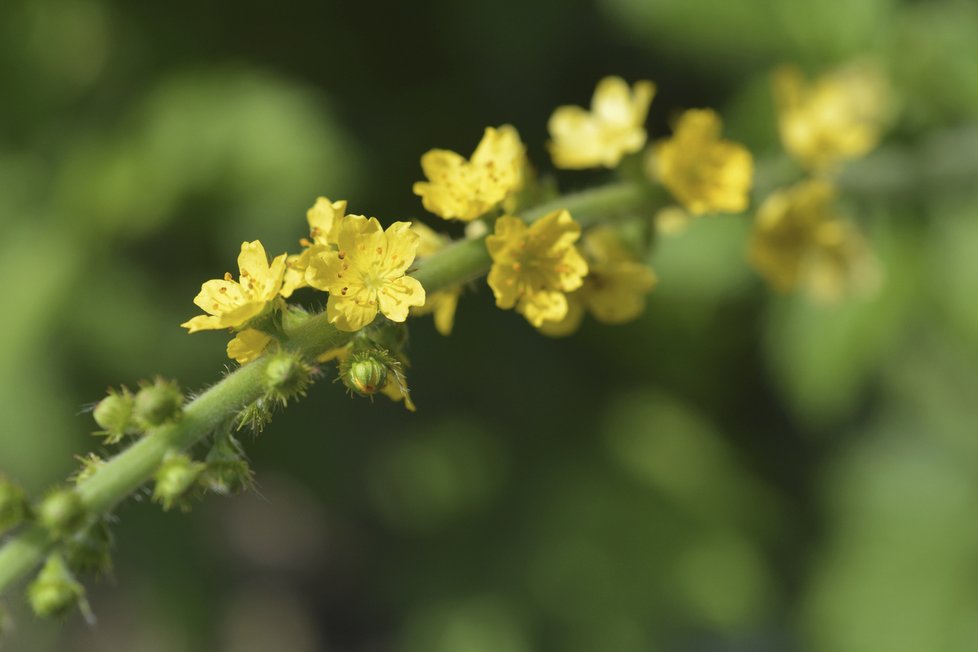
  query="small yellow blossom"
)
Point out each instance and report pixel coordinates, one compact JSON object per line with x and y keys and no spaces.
{"x":324,"y":219}
{"x":248,"y":345}
{"x":231,"y":304}
{"x":441,"y":304}
{"x":614,"y":127}
{"x":704,"y":172}
{"x":799,"y":242}
{"x":613,"y":291}
{"x":839,"y":116}
{"x":464,"y":190}
{"x":535,"y":266}
{"x":366,"y":273}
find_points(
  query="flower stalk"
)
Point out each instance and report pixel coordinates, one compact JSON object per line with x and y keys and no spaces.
{"x":120,"y":476}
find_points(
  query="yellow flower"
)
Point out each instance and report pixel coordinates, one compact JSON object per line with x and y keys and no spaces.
{"x":366,"y":273}
{"x":248,"y":345}
{"x":324,"y":219}
{"x":838,"y":116}
{"x":704,"y":172}
{"x":233,"y":304}
{"x":465,"y":190}
{"x":799,"y":242}
{"x":441,"y":304}
{"x":842,"y":264}
{"x":534,"y":266}
{"x":614,"y":126}
{"x":614,"y":289}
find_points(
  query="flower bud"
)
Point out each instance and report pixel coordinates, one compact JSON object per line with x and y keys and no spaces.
{"x":158,"y":403}
{"x":364,"y":372}
{"x":176,"y":475}
{"x":286,"y":376}
{"x":61,"y":512}
{"x":55,"y":590}
{"x":227,"y":469}
{"x":89,"y":551}
{"x":113,"y":414}
{"x":13,"y":505}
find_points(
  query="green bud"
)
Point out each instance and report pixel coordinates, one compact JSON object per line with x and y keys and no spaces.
{"x":293,"y":317}
{"x":364,"y":372}
{"x":61,"y":512}
{"x":158,"y":403}
{"x":113,"y":414}
{"x":13,"y":505}
{"x":89,"y":551}
{"x":176,"y":475}
{"x":255,"y":415}
{"x":286,"y":376}
{"x":90,"y":464}
{"x":55,"y":590}
{"x":227,"y":469}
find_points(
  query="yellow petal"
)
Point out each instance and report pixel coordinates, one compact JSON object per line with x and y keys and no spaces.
{"x":396,"y":297}
{"x":324,"y":218}
{"x":358,"y":235}
{"x":539,"y":307}
{"x":349,"y":315}
{"x":400,"y":248}
{"x":571,"y":321}
{"x":202,"y":323}
{"x":445,"y":307}
{"x":218,"y":296}
{"x":252,"y":261}
{"x":248,"y":345}
{"x":325,"y":270}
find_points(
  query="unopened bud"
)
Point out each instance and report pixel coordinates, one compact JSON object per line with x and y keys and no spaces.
{"x":176,"y":475}
{"x":113,"y":414}
{"x":89,"y":551}
{"x":158,"y":403}
{"x":13,"y":505}
{"x":286,"y":376}
{"x":61,"y":512}
{"x":364,"y":372}
{"x":227,"y":469}
{"x":55,"y":590}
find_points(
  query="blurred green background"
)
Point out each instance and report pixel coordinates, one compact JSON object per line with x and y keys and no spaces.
{"x":734,"y":472}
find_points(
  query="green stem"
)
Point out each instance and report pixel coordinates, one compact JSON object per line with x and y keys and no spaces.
{"x":123,"y":474}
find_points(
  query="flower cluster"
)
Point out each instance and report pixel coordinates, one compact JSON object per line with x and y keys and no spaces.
{"x":798,"y":240}
{"x":551,"y":258}
{"x":540,"y":260}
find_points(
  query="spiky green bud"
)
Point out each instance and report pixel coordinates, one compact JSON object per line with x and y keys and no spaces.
{"x":176,"y":475}
{"x":286,"y":376}
{"x":113,"y":414}
{"x":13,"y":505}
{"x":55,"y":590}
{"x":158,"y":403}
{"x":90,"y":551}
{"x":61,"y":511}
{"x":227,"y":469}
{"x":364,"y":372}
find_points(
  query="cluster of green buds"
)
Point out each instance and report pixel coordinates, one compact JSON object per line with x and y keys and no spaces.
{"x":122,"y":413}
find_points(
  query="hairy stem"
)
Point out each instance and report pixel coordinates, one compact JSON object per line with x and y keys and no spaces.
{"x":125,"y":473}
